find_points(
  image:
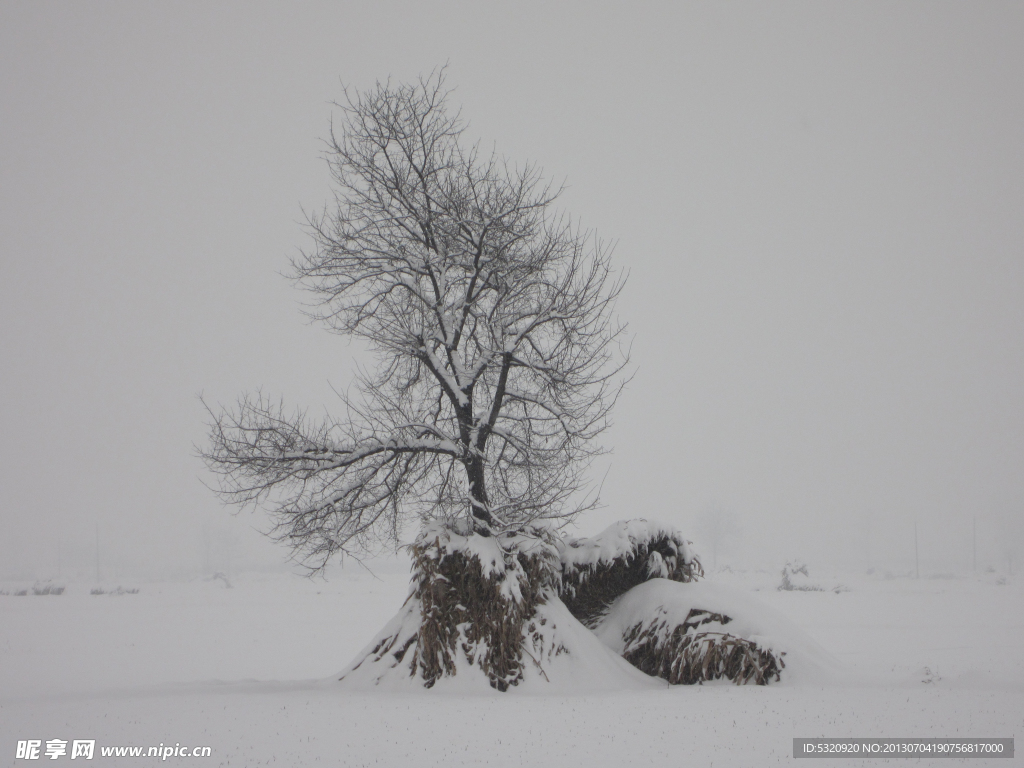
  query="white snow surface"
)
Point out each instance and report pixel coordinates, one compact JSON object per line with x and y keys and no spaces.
{"x":619,"y":539}
{"x":251,"y":672}
{"x":671,"y":602}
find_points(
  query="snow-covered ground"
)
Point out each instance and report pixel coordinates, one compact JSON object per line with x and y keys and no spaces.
{"x":248,"y":671}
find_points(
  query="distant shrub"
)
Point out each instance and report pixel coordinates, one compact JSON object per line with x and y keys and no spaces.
{"x":796,"y":579}
{"x":47,"y":589}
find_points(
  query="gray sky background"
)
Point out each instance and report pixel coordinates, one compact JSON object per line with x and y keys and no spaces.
{"x":820,"y":205}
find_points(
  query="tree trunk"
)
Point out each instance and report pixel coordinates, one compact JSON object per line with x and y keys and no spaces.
{"x":478,"y":494}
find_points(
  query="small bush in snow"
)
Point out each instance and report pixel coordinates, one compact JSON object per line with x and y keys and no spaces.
{"x":796,"y":579}
{"x":47,"y":589}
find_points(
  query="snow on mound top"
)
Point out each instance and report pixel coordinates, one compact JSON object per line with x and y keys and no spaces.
{"x":597,"y":571}
{"x":498,"y":555}
{"x":672,"y":603}
{"x":572,"y":659}
{"x":620,"y":540}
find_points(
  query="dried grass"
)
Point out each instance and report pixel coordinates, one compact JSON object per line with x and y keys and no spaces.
{"x":689,"y":654}
{"x":469,"y":613}
{"x":791,"y":570}
{"x":47,"y":589}
{"x":464,"y":611}
{"x":588,"y":590}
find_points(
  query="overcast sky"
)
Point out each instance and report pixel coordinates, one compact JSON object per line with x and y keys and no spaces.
{"x":821,"y":207}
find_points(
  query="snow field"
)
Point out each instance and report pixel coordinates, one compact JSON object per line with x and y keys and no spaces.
{"x":720,"y":725}
{"x":249,"y":672}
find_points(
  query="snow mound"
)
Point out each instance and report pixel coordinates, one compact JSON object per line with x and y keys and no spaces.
{"x":574,"y":660}
{"x":516,"y":610}
{"x":562,"y":657}
{"x":483,"y":614}
{"x":621,"y":540}
{"x":659,"y":606}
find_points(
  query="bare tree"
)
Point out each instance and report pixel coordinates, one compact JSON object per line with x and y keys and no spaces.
{"x":491,"y":320}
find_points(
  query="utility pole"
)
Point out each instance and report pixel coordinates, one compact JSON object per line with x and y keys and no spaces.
{"x":917,"y":563}
{"x":974,"y":544}
{"x":867,"y":542}
{"x":97,"y":553}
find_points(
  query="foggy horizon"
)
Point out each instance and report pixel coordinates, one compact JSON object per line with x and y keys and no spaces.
{"x":819,"y":208}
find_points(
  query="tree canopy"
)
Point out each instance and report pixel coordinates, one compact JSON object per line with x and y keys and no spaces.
{"x":491,"y":319}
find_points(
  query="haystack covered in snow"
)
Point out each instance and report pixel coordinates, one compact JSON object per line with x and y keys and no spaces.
{"x":700,"y":631}
{"x":670,"y":638}
{"x":484,"y":610}
{"x":683,"y":648}
{"x":526,"y":607}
